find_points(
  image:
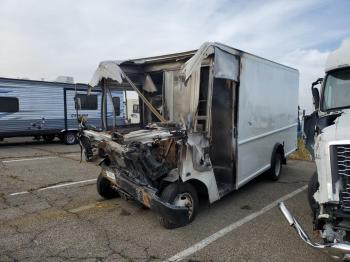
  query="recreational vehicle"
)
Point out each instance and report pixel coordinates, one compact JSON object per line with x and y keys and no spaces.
{"x":47,"y":109}
{"x":133,"y":110}
{"x":212,"y":119}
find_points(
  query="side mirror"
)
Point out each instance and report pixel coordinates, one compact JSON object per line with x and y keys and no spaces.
{"x":316,"y":93}
{"x":316,"y":96}
{"x":77,"y":103}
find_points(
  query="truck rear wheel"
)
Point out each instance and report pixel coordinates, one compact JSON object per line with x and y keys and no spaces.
{"x":184,"y":195}
{"x":69,"y":138}
{"x":105,"y":188}
{"x":276,"y":167}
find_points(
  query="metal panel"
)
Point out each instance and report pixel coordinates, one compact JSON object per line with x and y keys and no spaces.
{"x":268,"y":101}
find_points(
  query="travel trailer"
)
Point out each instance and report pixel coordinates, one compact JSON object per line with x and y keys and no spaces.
{"x":47,"y":109}
{"x":327,"y":133}
{"x":212,"y":119}
{"x":133,"y":110}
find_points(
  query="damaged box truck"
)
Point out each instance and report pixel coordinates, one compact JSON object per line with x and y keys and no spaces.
{"x":327,"y":132}
{"x":211,"y":120}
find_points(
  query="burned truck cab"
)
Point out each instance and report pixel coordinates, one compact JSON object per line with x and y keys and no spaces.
{"x":193,"y":128}
{"x":166,"y":163}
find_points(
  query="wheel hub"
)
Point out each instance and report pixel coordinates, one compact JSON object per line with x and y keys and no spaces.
{"x":185,"y":200}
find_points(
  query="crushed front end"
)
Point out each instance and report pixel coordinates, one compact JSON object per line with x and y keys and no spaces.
{"x":329,"y":189}
{"x":140,"y":164}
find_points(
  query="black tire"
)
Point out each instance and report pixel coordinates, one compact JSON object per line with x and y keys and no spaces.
{"x":105,"y":189}
{"x":173,"y":191}
{"x":276,"y":167}
{"x":313,"y":186}
{"x":70,"y":138}
{"x":48,"y":138}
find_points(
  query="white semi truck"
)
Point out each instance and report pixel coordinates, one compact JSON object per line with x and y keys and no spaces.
{"x":212,"y":119}
{"x":328,"y":138}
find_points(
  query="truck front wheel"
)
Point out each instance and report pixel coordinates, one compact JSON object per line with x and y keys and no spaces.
{"x":105,"y":188}
{"x":184,"y":195}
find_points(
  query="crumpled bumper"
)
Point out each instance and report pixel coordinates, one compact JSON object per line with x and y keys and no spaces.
{"x":147,"y":196}
{"x":336,"y":250}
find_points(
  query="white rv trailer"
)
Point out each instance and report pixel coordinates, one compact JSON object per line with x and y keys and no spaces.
{"x":47,"y":109}
{"x":132,"y":110}
{"x":223,"y":117}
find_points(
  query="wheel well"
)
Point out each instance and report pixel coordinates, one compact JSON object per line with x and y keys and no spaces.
{"x":200,"y":187}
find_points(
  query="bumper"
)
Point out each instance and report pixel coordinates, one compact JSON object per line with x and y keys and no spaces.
{"x":336,"y":250}
{"x":147,"y":196}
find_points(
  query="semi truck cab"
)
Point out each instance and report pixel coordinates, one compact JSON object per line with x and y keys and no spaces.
{"x":327,"y":133}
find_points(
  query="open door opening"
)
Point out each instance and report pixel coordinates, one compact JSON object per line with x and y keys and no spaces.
{"x":222,"y":134}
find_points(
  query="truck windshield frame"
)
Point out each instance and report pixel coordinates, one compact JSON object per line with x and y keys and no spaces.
{"x":336,"y":90}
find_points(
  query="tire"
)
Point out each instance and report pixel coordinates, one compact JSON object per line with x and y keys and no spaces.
{"x":105,"y":189}
{"x":180,"y":193}
{"x":70,"y":138}
{"x":313,"y":186}
{"x":276,"y":167}
{"x":48,"y":138}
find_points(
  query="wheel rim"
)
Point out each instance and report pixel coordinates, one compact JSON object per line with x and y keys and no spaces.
{"x":277,"y":166}
{"x":185,"y":200}
{"x":70,"y":138}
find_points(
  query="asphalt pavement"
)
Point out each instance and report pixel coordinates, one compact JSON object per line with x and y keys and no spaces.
{"x":50,"y":211}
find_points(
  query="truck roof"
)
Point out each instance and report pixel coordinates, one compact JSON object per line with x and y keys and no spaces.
{"x":187,"y":54}
{"x":339,"y":58}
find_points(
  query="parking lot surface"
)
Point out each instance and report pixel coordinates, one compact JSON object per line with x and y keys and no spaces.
{"x":50,"y":211}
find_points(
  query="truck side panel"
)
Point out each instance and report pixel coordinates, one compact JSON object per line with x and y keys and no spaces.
{"x":267,"y":114}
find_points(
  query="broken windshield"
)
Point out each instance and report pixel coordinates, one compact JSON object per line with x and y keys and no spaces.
{"x":337,"y":90}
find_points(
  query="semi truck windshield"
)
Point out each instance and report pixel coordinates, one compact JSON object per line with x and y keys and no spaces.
{"x":337,"y":90}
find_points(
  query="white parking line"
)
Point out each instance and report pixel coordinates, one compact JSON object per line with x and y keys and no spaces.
{"x":219,"y":234}
{"x":28,"y":159}
{"x":55,"y":186}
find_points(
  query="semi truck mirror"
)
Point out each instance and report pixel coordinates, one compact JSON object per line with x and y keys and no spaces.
{"x":316,"y":93}
{"x":316,"y":97}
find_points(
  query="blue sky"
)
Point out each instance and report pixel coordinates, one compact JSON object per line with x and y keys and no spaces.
{"x":44,"y":39}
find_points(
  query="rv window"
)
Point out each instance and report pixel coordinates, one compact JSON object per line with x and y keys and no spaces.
{"x":88,"y":102}
{"x":9,"y":104}
{"x":116,"y":104}
{"x":135,"y":109}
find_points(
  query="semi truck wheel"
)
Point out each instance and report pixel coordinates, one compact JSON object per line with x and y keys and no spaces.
{"x":313,"y":186}
{"x":276,"y":167}
{"x":184,"y":195}
{"x":69,"y":138}
{"x":48,"y":138}
{"x":105,"y":189}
